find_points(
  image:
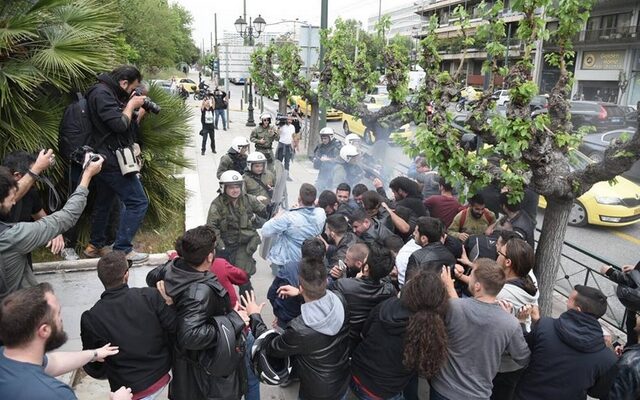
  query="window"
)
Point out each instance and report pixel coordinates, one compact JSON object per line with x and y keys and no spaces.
{"x":608,"y":24}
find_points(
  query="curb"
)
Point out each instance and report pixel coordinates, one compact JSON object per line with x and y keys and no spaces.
{"x":87,"y":264}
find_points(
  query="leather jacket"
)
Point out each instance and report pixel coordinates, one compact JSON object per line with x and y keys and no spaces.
{"x":362,"y":295}
{"x":432,"y":252}
{"x":198,"y":296}
{"x":626,"y":384}
{"x":321,"y":360}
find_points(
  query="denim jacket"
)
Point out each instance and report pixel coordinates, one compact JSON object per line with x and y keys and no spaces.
{"x":290,"y":230}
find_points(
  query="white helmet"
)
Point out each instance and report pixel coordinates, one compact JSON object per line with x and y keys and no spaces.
{"x":230,"y":177}
{"x":327,"y":131}
{"x":352,"y":137}
{"x":239,"y":141}
{"x":264,"y":116}
{"x":255,"y":157}
{"x":348,"y":152}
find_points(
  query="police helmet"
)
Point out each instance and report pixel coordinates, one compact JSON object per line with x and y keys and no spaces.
{"x":348,"y":152}
{"x":352,"y":137}
{"x":270,"y":370}
{"x":264,"y":116}
{"x":255,"y":157}
{"x":239,"y":141}
{"x":230,"y":177}
{"x":327,"y":131}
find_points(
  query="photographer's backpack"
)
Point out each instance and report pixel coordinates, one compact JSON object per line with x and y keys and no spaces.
{"x":75,"y":127}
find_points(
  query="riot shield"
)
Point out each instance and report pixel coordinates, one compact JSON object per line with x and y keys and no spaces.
{"x":278,"y":200}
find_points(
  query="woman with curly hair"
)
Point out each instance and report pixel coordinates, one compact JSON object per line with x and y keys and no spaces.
{"x":403,"y":337}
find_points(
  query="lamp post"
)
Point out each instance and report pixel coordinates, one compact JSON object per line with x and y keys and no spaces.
{"x":249,"y":32}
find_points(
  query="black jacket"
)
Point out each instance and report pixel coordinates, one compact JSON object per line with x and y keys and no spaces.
{"x":339,"y":251}
{"x":435,"y":251}
{"x":377,"y":233}
{"x":110,"y":129}
{"x":626,"y":375}
{"x":198,"y":296}
{"x":139,"y":322}
{"x":362,"y":295}
{"x":415,"y":204}
{"x":377,"y":360}
{"x":321,"y":361}
{"x":568,"y":359}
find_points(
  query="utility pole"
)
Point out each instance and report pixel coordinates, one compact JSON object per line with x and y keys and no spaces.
{"x":215,"y":50}
{"x":324,"y":16}
{"x":379,"y":10}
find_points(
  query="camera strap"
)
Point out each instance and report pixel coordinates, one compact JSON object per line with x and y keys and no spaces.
{"x":53,"y":195}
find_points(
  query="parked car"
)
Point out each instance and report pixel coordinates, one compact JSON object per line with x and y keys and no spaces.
{"x":188,"y":84}
{"x":603,"y":116}
{"x":332,"y":113}
{"x":539,"y":103}
{"x":237,"y":81}
{"x":378,"y":95}
{"x":606,"y":204}
{"x":163,"y":84}
{"x":630,"y":115}
{"x":501,"y":97}
{"x":595,"y":144}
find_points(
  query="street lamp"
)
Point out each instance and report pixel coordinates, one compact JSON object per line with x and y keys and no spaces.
{"x":248,"y":32}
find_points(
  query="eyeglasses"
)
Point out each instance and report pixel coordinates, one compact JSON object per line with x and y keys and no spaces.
{"x":501,"y":254}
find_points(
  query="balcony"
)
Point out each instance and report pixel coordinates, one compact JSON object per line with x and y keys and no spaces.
{"x":619,"y":34}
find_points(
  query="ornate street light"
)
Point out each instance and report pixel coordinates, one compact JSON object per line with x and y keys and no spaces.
{"x":249,"y":32}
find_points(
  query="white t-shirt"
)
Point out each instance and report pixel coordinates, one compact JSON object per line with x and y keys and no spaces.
{"x":286,"y":133}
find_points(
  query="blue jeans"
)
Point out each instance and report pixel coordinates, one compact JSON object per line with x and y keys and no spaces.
{"x":134,"y":204}
{"x":361,"y":393}
{"x":221,"y":113}
{"x":253,"y":391}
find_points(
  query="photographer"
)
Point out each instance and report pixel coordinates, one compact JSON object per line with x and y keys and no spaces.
{"x":208,"y":129}
{"x":112,"y":104}
{"x":221,"y":101}
{"x":284,"y":153}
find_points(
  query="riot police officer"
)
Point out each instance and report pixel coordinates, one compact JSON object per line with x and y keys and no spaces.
{"x":263,"y":136}
{"x":258,"y":180}
{"x":236,"y":157}
{"x":325,"y":156}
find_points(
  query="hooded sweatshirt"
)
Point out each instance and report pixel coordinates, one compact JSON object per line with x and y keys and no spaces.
{"x":377,"y":361}
{"x":568,"y":357}
{"x":325,"y":315}
{"x":518,"y":293}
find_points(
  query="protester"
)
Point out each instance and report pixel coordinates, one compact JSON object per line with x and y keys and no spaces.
{"x":626,"y":373}
{"x":402,"y":338}
{"x":518,"y":220}
{"x":398,"y":221}
{"x":20,"y":239}
{"x":140,"y":321}
{"x":201,"y":303}
{"x":113,"y":106}
{"x":569,"y":349}
{"x":287,"y":308}
{"x":328,"y":202}
{"x":340,"y":238}
{"x":31,"y":327}
{"x":364,"y":292}
{"x":407,"y":194}
{"x":354,"y":259}
{"x":318,"y":338}
{"x":517,"y":259}
{"x":478,"y":332}
{"x":426,"y":178}
{"x":429,"y":234}
{"x":473,"y":220}
{"x":368,"y":229}
{"x":445,"y":205}
{"x":627,"y":292}
{"x":289,"y":229}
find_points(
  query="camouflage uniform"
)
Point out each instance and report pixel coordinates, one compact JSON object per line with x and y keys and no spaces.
{"x":254,"y":188}
{"x":232,"y":161}
{"x":326,"y":168}
{"x":234,"y":227}
{"x":269,"y":134}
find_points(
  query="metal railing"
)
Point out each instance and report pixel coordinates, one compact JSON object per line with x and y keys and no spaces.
{"x":609,"y":34}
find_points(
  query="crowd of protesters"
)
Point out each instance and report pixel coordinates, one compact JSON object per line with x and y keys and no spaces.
{"x":373,"y":292}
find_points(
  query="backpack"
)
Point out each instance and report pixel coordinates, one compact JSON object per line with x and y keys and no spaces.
{"x":485,"y":213}
{"x":74,"y":131}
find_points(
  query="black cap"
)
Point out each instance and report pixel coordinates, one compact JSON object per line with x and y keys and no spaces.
{"x":593,"y":301}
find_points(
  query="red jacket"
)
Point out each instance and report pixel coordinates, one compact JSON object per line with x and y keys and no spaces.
{"x":229,"y":275}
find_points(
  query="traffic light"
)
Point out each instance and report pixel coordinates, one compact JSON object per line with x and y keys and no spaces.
{"x":212,"y":64}
{"x":216,"y":66}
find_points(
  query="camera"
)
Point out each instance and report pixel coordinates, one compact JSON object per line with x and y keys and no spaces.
{"x":148,"y":105}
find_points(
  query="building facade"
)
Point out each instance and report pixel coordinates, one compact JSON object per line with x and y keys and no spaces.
{"x":607,"y":64}
{"x":404,"y":20}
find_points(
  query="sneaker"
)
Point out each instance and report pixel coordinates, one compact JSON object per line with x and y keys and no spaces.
{"x":136,"y":257}
{"x":224,"y":129}
{"x":214,"y":152}
{"x":69,"y":254}
{"x":93,"y":252}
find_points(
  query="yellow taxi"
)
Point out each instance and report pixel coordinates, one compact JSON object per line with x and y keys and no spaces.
{"x":353,"y":124}
{"x":606,"y":204}
{"x":332,"y":113}
{"x":188,"y":84}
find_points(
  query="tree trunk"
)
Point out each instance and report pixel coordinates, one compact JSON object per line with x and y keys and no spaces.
{"x":282,"y":103}
{"x":549,"y":251}
{"x":314,"y":123}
